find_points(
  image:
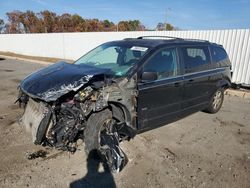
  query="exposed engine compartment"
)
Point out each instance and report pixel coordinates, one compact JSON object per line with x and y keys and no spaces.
{"x":59,"y":126}
{"x":61,"y":123}
{"x":66,"y":127}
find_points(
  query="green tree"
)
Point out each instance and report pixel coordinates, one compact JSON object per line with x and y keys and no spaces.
{"x":107,"y":23}
{"x":108,"y":26}
{"x":169,"y":27}
{"x":78,"y":23}
{"x":134,"y":24}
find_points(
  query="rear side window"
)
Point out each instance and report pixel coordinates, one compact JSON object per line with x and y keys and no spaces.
{"x":196,"y":58}
{"x":218,"y":54}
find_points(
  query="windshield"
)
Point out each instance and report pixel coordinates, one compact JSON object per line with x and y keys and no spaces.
{"x":118,"y":58}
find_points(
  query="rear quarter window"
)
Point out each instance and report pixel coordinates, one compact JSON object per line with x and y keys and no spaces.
{"x":218,"y":53}
{"x":219,"y":57}
{"x":196,"y":58}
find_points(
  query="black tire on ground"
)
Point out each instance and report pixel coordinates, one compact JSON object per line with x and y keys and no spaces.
{"x":216,"y":102}
{"x":93,"y":128}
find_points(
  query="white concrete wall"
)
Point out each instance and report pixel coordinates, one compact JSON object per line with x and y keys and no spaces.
{"x":73,"y":45}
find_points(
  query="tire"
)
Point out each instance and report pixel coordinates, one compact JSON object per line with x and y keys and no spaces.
{"x":216,"y":102}
{"x":93,"y":129}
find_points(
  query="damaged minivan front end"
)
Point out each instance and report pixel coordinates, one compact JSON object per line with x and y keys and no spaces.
{"x":60,"y":100}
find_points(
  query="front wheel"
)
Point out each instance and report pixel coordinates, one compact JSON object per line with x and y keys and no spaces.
{"x":216,"y":102}
{"x":96,"y":124}
{"x":100,"y":135}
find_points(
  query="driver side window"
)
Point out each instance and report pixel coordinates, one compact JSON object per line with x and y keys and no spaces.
{"x":164,"y":63}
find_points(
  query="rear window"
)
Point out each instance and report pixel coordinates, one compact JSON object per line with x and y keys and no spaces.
{"x":196,"y":58}
{"x":218,"y":54}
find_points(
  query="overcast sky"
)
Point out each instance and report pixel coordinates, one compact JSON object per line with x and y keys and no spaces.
{"x":185,"y":14}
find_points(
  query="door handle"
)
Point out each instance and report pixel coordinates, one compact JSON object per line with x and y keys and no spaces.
{"x":191,"y":80}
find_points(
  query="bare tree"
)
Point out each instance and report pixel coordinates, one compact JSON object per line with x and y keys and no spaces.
{"x":14,"y":22}
{"x":1,"y":25}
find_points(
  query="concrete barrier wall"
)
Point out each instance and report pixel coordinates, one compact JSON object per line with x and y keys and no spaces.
{"x":73,"y":45}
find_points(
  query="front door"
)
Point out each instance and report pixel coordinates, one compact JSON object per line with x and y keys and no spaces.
{"x":159,"y":100}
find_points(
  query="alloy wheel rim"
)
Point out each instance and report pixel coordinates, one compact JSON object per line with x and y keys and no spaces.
{"x":217,"y":100}
{"x":105,"y":129}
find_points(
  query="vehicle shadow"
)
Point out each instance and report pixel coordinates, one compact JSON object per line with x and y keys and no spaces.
{"x":93,"y":178}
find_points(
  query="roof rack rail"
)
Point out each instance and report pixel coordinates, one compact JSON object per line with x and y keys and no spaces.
{"x":198,"y":40}
{"x":128,"y":38}
{"x":170,"y":37}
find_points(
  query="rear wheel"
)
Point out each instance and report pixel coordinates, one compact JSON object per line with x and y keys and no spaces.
{"x":216,"y":102}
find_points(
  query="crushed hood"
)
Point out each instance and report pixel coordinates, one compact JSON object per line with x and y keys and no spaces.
{"x":58,"y":79}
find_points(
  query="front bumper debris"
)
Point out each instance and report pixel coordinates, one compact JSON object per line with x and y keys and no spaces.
{"x":33,"y":115}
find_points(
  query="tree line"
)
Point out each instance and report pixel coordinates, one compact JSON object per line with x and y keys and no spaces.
{"x":49,"y":22}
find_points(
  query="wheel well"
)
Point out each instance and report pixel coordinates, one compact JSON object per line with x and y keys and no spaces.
{"x":121,"y":113}
{"x":224,"y":84}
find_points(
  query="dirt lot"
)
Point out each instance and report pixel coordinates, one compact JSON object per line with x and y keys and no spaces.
{"x":201,"y":150}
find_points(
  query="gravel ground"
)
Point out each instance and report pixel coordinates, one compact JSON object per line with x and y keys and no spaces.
{"x":201,"y":150}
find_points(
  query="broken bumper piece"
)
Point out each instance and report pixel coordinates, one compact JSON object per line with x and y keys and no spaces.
{"x":34,"y":115}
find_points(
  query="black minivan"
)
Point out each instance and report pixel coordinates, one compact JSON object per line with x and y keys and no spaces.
{"x":120,"y":89}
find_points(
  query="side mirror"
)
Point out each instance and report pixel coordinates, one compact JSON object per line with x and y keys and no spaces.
{"x":149,"y":76}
